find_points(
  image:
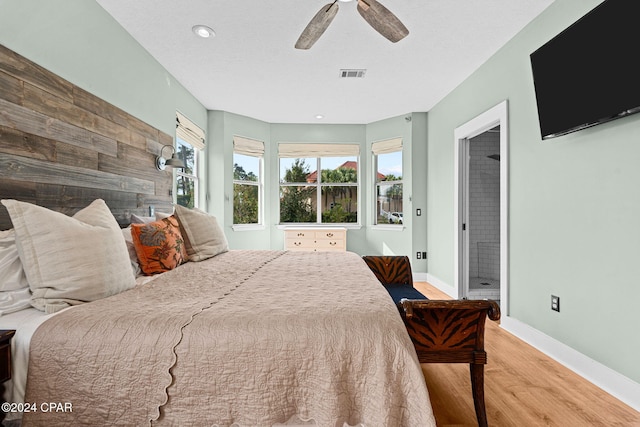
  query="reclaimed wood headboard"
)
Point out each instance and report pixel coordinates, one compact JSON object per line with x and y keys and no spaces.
{"x":62,"y":147}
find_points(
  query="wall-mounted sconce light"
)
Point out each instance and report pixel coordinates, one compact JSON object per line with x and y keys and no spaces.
{"x":173,"y":162}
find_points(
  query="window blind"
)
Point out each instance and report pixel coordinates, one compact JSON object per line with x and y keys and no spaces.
{"x":387,"y":146}
{"x":302,"y":150}
{"x":189,"y":132}
{"x":248,"y":147}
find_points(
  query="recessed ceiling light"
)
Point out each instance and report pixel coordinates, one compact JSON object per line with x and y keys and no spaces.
{"x":319,"y":116}
{"x":203,"y":31}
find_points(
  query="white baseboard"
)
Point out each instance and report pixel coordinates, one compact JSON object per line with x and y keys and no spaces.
{"x":420,"y":277}
{"x":614,"y":383}
{"x":443,"y":286}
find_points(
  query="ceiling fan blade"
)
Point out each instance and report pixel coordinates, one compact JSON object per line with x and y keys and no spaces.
{"x":317,"y":26}
{"x":382,"y":20}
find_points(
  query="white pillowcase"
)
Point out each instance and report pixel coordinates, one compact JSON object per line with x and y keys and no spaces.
{"x":70,"y":260}
{"x":203,"y":236}
{"x":14,"y":288}
{"x":131,"y":249}
{"x":12,"y":276}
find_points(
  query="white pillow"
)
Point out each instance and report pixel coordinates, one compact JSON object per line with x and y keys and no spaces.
{"x":203,"y":236}
{"x":12,"y":276}
{"x":70,"y":260}
{"x":131,"y":249}
{"x":135,"y":219}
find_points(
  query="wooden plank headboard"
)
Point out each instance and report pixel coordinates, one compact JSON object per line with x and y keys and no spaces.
{"x":62,"y":147}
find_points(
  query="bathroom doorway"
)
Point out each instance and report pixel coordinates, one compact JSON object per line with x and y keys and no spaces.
{"x":481,"y":221}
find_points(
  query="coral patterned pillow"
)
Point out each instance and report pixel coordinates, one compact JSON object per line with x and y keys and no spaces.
{"x":159,"y":245}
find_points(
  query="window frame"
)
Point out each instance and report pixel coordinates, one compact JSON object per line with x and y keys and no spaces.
{"x":180,"y":173}
{"x":190,"y":134}
{"x":389,"y":146}
{"x":260,"y":184}
{"x":316,"y":155}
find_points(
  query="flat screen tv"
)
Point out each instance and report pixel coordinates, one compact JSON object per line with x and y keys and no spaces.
{"x":589,"y":73}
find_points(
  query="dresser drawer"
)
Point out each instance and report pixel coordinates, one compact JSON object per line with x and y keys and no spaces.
{"x":331,"y":235}
{"x":300,"y":234}
{"x":330,"y":245}
{"x":293,"y":244}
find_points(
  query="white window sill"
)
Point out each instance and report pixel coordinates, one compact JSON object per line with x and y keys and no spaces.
{"x":247,"y":227}
{"x":388,"y":227}
{"x":316,"y":226}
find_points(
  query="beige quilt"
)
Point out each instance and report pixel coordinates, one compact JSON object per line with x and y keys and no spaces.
{"x":247,"y":338}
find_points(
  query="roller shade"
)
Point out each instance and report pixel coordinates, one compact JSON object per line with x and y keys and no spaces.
{"x":248,"y":147}
{"x":387,"y":146}
{"x":189,"y":132}
{"x":300,"y":150}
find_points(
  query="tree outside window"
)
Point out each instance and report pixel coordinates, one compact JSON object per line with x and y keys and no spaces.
{"x":187,"y":178}
{"x":329,"y":197}
{"x":246,"y":189}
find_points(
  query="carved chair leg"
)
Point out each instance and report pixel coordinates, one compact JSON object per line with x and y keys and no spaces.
{"x":477,"y":387}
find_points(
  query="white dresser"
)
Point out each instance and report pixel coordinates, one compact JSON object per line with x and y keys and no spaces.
{"x":315,"y":239}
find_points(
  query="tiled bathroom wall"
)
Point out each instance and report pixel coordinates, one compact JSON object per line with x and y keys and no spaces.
{"x":484,"y":206}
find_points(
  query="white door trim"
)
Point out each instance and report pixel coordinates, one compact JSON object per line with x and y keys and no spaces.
{"x":495,"y":116}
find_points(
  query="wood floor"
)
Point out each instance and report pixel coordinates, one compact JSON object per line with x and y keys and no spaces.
{"x":523,"y":388}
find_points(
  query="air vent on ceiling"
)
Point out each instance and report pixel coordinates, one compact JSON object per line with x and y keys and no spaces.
{"x":352,"y":73}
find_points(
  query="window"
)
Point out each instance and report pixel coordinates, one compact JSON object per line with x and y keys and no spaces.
{"x":189,"y":141}
{"x":318,"y":183}
{"x":247,"y":181}
{"x":387,"y":162}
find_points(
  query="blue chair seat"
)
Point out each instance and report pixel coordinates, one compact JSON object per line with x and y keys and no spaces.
{"x":398,"y":292}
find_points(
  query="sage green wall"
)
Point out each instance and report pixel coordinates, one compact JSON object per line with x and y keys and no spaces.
{"x":419,"y":176}
{"x":82,"y":43}
{"x":572,"y":211}
{"x":281,"y":132}
{"x":381,"y":241}
{"x":223,"y":127}
{"x":365,"y":240}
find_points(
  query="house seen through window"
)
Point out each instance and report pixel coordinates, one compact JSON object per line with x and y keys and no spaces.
{"x":387,"y":160}
{"x":319,"y":183}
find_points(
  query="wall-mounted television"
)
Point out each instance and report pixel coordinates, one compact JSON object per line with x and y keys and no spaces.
{"x":589,"y":73}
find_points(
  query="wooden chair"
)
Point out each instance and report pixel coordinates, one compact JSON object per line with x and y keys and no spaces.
{"x":450,"y":331}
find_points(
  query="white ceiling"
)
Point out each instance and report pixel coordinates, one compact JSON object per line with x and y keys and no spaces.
{"x":251,"y":67}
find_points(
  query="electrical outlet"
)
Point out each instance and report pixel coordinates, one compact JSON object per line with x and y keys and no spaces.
{"x":418,"y":212}
{"x":555,"y":303}
{"x":424,"y":255}
{"x":419,"y":255}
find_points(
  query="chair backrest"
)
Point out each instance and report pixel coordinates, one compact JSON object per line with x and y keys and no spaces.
{"x":390,"y":270}
{"x":450,"y":330}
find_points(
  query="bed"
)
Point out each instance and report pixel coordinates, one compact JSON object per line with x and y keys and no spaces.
{"x":240,"y":338}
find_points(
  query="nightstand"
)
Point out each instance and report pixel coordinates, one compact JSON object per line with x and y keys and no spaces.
{"x":5,"y":362}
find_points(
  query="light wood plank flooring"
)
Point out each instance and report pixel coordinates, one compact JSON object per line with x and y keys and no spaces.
{"x":523,"y":388}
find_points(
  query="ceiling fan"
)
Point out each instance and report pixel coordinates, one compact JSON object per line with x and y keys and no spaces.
{"x":378,"y":16}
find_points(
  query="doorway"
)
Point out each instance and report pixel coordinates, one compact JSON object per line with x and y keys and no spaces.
{"x":481,"y":183}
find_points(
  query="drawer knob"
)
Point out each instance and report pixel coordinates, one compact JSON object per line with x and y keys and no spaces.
{"x":300,"y":234}
{"x":329,"y":234}
{"x":333,"y":243}
{"x":297,"y":243}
